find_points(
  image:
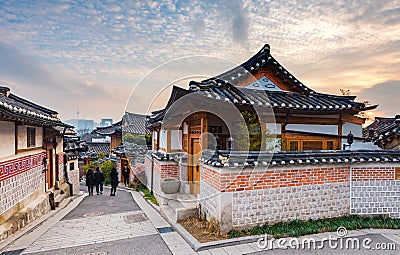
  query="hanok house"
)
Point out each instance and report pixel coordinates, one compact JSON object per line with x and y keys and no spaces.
{"x":242,"y":183}
{"x":127,"y":137}
{"x":384,"y":132}
{"x":31,"y":161}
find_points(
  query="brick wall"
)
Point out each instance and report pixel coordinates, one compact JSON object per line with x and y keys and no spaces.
{"x":374,"y":190}
{"x":273,"y":178}
{"x":257,"y":196}
{"x":20,"y":178}
{"x":372,"y":173}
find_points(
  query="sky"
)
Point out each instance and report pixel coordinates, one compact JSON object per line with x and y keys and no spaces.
{"x":88,"y":56}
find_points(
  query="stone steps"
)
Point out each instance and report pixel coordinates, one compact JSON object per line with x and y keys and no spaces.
{"x":58,"y":199}
{"x":179,"y":207}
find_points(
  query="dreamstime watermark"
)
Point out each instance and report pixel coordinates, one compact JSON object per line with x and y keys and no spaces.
{"x":338,"y":241}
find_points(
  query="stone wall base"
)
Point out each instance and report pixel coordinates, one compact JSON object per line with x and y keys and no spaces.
{"x":35,"y":209}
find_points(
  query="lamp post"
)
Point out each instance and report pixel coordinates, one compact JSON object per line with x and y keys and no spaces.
{"x":350,"y":140}
{"x":230,"y":143}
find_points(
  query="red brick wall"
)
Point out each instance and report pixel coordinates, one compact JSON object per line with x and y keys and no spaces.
{"x":162,"y":170}
{"x":373,"y":174}
{"x":273,"y":178}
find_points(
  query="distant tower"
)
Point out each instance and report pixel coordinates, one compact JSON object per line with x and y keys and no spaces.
{"x":77,"y":119}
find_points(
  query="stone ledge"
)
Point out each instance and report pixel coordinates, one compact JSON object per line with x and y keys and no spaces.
{"x":32,"y":211}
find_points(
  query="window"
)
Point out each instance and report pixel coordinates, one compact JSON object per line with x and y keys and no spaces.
{"x":71,"y":166}
{"x":312,"y":145}
{"x":31,"y":137}
{"x":329,"y":145}
{"x":293,"y":145}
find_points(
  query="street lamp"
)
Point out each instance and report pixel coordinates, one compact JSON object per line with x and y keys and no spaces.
{"x":350,"y":140}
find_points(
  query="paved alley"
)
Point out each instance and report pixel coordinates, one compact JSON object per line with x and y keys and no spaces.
{"x":101,"y":224}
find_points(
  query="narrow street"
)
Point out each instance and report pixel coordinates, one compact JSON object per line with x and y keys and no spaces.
{"x":100,"y":224}
{"x":126,"y":224}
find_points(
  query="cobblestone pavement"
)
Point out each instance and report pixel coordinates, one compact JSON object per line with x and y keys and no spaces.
{"x":102,"y":224}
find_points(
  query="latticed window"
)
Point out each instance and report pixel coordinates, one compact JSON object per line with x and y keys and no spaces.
{"x":293,"y":146}
{"x":312,"y":145}
{"x":31,"y":136}
{"x":330,"y":145}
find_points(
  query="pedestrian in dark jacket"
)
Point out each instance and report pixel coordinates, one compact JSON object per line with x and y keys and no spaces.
{"x":113,"y":181}
{"x":125,"y":174}
{"x":99,"y":176}
{"x":90,"y":181}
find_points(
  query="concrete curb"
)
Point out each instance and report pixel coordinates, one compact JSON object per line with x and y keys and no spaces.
{"x":197,"y":246}
{"x":40,"y":221}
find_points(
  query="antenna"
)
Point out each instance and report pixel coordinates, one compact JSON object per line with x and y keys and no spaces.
{"x":77,"y":119}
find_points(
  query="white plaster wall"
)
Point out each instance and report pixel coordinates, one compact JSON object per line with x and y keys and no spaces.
{"x":73,"y":176}
{"x":155,"y":134}
{"x":176,"y":139}
{"x":323,"y":129}
{"x":185,"y":128}
{"x":22,"y":143}
{"x":39,"y":137}
{"x":22,"y":137}
{"x":355,"y":129}
{"x":163,"y":139}
{"x":273,"y":128}
{"x":7,"y":139}
{"x":60,"y":144}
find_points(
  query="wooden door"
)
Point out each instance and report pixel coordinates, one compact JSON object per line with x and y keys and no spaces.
{"x":194,"y":166}
{"x":49,"y":168}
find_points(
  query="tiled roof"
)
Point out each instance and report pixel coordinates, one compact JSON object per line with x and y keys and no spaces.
{"x":238,"y":159}
{"x":278,"y":99}
{"x":382,"y":129}
{"x":300,"y":98}
{"x":95,"y":148}
{"x":262,"y":59}
{"x":75,"y":146}
{"x":15,"y":108}
{"x":114,"y":128}
{"x":135,"y":123}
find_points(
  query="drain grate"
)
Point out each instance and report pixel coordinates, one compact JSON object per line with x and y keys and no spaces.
{"x":165,"y":230}
{"x":133,"y":218}
{"x":14,"y":252}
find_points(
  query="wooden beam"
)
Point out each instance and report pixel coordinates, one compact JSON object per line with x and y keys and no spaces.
{"x":352,"y":119}
{"x":307,"y":120}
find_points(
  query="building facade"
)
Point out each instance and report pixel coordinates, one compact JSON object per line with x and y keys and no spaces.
{"x":31,"y":159}
{"x":254,"y":145}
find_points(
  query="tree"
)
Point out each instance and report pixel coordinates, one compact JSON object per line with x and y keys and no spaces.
{"x":106,"y":166}
{"x":249,"y":135}
{"x":91,"y":165}
{"x":347,"y":92}
{"x":134,"y":138}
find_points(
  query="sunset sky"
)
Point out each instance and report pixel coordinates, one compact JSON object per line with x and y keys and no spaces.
{"x":89,"y":55}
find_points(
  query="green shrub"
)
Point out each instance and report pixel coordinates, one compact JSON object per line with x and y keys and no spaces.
{"x":106,"y":168}
{"x":298,"y":228}
{"x":147,"y":193}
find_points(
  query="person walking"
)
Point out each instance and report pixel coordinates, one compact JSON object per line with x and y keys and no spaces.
{"x":125,"y":174}
{"x":113,"y":181}
{"x":99,"y":176}
{"x":90,"y":181}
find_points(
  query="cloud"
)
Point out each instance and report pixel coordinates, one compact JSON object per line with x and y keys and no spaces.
{"x":329,"y":45}
{"x":238,"y":20}
{"x":59,"y":90}
{"x":386,"y":95}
